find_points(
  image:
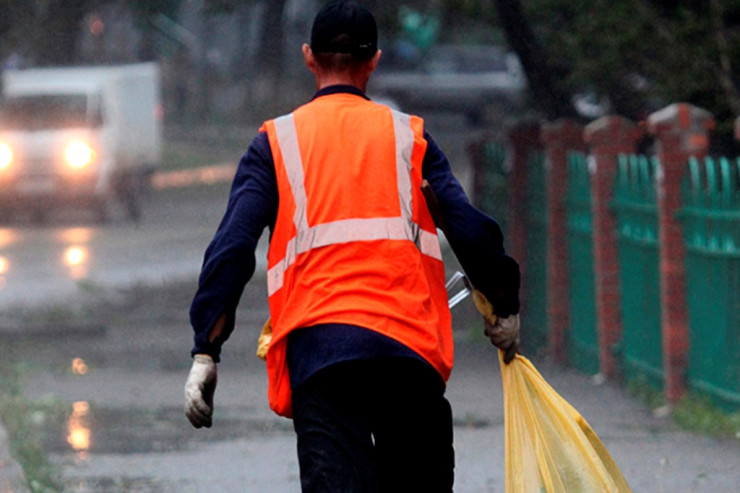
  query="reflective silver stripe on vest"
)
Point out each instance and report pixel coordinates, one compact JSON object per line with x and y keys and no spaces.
{"x":348,"y":230}
{"x":404,"y":147}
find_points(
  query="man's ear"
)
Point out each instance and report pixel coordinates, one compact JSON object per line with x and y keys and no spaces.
{"x":309,"y":58}
{"x":375,"y":60}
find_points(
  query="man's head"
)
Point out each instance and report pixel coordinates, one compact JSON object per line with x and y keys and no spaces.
{"x":344,"y":38}
{"x":344,"y":26}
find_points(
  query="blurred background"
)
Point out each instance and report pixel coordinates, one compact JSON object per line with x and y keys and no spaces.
{"x":235,"y":61}
{"x":121,"y":126}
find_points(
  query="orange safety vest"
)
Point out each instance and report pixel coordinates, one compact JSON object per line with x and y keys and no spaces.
{"x":354,"y":242}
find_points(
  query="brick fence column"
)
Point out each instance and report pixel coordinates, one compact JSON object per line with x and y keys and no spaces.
{"x":608,"y":137}
{"x":681,"y":131}
{"x":524,"y":140}
{"x":559,"y":138}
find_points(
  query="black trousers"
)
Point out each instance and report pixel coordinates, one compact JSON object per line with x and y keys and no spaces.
{"x":377,"y":425}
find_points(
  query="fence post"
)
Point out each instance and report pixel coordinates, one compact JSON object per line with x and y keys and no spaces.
{"x":681,"y":131}
{"x":524,"y":139}
{"x":608,"y":137}
{"x":559,"y":138}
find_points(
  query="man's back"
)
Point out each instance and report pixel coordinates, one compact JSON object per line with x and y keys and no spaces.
{"x":354,"y":242}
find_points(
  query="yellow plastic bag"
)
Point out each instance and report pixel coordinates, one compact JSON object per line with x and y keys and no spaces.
{"x":549,"y":446}
{"x":263,"y":342}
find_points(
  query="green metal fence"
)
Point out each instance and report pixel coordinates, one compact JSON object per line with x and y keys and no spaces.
{"x":490,"y":187}
{"x":583,"y":349}
{"x":534,"y":311}
{"x":490,"y":190}
{"x":711,"y":225}
{"x":640,"y":351}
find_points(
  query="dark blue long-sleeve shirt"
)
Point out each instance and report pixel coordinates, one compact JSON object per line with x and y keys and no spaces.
{"x":229,"y":261}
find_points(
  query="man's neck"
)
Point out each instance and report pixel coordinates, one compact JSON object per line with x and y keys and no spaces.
{"x":335,"y":79}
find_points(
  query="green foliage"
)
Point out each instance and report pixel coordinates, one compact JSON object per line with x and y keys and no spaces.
{"x":644,"y":54}
{"x":641,"y":390}
{"x":697,"y":413}
{"x":21,"y":419}
{"x":420,"y":29}
{"x":693,"y":412}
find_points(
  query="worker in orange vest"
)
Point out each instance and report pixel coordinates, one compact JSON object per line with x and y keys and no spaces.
{"x":361,"y":345}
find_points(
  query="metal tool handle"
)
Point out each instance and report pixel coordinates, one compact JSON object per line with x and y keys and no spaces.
{"x":456,"y":278}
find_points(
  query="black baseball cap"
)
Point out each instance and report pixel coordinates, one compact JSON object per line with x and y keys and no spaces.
{"x":345,"y":26}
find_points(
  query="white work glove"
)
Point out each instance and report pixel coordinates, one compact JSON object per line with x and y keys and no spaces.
{"x":504,"y":334}
{"x":199,"y":391}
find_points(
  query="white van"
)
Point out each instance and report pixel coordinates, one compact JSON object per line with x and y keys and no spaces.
{"x":79,"y":136}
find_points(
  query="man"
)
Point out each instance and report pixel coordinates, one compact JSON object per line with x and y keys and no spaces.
{"x":361,"y":343}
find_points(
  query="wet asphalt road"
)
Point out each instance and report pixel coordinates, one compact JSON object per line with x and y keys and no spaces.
{"x":52,"y":261}
{"x":123,"y":429}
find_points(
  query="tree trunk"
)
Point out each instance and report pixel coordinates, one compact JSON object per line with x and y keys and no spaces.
{"x":548,"y":95}
{"x":724,"y":72}
{"x":57,"y":32}
{"x":270,"y":53}
{"x":265,"y":95}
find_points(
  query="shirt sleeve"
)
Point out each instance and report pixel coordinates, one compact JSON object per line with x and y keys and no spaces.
{"x":475,"y":238}
{"x":229,"y":260}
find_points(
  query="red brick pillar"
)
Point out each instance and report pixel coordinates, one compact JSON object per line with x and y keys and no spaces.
{"x":608,"y":137}
{"x":681,"y":131}
{"x":524,"y":139}
{"x":558,"y":138}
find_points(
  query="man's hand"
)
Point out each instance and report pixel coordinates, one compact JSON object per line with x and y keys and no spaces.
{"x":199,"y":391}
{"x":504,"y":334}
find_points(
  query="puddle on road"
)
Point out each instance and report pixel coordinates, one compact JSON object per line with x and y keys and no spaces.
{"x":89,"y":429}
{"x":75,"y":436}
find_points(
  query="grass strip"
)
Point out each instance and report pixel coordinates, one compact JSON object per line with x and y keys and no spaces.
{"x":21,"y":419}
{"x":693,"y":412}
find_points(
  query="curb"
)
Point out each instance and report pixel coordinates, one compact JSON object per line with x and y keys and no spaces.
{"x":204,"y":175}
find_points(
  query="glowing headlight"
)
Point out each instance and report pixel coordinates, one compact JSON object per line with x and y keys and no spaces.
{"x":6,"y":156}
{"x":74,"y":256}
{"x":78,"y":154}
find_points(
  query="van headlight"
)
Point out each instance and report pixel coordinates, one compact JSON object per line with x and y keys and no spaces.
{"x":78,"y":154}
{"x":6,"y":156}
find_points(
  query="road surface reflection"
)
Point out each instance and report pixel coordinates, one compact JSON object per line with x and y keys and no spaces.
{"x":61,"y":261}
{"x":66,"y":248}
{"x":79,"y":428}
